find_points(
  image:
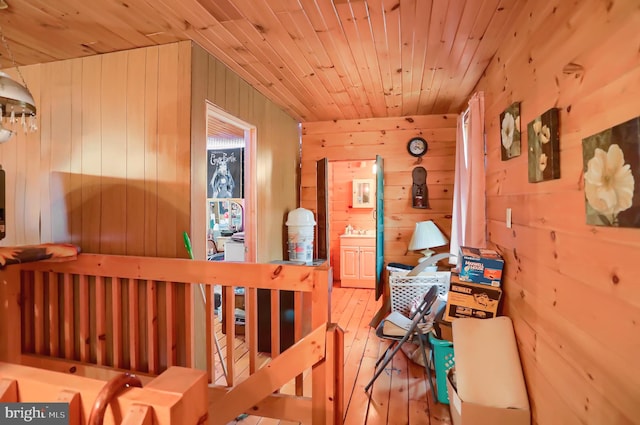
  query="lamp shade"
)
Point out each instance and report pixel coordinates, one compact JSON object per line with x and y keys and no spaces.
{"x":15,"y":97}
{"x":426,"y":235}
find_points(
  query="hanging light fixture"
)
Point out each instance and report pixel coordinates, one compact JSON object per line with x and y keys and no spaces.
{"x":16,"y":101}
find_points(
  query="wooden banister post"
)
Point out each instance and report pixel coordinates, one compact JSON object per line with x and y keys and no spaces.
{"x":335,"y":375}
{"x":320,"y":315}
{"x":73,"y":399}
{"x":8,"y":391}
{"x":10,"y":336}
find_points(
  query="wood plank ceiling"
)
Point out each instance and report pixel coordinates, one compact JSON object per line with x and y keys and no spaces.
{"x":319,"y":59}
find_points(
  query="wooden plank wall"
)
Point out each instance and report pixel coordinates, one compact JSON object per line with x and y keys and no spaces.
{"x":108,"y":169}
{"x":357,"y":140}
{"x":571,"y":289}
{"x":277,"y":152}
{"x":341,"y":175}
{"x":277,"y":162}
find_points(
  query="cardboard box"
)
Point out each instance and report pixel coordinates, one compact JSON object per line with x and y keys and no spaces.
{"x":479,"y":265}
{"x":471,"y":300}
{"x":444,"y":328}
{"x":466,"y":413}
{"x":488,"y":387}
{"x":441,"y":326}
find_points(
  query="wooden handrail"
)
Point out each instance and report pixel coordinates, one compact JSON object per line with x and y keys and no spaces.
{"x":155,"y":299}
{"x":108,"y":393}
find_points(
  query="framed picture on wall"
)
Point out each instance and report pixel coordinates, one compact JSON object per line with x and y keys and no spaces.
{"x":510,"y":132}
{"x":225,"y":173}
{"x":611,"y":165}
{"x":544,"y":147}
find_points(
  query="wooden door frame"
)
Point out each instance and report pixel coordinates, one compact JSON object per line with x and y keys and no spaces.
{"x":250,"y":192}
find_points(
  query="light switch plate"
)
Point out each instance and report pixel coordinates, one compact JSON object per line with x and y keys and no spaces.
{"x":509,"y":218}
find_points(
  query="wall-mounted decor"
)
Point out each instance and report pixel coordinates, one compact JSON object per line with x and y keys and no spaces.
{"x":419,"y":190}
{"x":611,"y":161}
{"x":364,"y":193}
{"x":417,"y":146}
{"x":510,"y":132}
{"x":544,"y":147}
{"x":225,"y":168}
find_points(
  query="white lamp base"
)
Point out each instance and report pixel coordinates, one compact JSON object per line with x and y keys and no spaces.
{"x":426,"y":254}
{"x":432,"y":261}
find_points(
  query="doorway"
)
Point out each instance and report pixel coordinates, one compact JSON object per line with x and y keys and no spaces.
{"x":231,"y":196}
{"x":350,"y":205}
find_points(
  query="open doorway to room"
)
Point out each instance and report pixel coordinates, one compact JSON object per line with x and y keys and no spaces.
{"x":352,"y":212}
{"x":230,"y":211}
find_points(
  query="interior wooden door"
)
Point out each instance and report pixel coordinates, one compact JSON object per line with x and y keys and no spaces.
{"x":322,"y":201}
{"x":379,"y":224}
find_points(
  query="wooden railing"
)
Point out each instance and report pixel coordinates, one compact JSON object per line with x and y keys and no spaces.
{"x":101,"y":313}
{"x":176,"y":397}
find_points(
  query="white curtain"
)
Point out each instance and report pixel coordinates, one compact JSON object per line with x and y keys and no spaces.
{"x":468,"y":227}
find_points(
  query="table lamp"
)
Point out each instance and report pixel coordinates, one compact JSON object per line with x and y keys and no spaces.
{"x":426,"y":236}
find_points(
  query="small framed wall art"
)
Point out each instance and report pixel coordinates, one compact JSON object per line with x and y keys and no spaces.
{"x":544,"y":147}
{"x":611,"y":165}
{"x":510,"y":132}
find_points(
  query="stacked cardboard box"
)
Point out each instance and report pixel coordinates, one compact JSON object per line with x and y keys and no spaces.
{"x":475,"y":291}
{"x":479,"y":265}
{"x":471,"y":300}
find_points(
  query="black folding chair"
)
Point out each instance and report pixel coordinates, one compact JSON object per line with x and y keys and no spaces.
{"x":415,"y":333}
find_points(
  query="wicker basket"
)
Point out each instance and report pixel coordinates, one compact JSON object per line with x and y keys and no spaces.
{"x":405,"y":289}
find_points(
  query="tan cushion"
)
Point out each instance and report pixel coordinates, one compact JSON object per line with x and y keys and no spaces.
{"x":488,"y":369}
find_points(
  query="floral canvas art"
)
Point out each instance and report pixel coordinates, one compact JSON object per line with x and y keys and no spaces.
{"x":510,"y":132}
{"x":544,"y":147}
{"x":611,"y":161}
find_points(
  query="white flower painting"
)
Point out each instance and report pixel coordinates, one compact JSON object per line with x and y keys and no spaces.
{"x":611,"y":164}
{"x":544,"y":147}
{"x":510,"y":132}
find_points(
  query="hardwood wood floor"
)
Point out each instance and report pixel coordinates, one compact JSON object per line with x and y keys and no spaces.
{"x":401,"y":395}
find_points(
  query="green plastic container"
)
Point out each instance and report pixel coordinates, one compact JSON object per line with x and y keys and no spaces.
{"x":443,"y":360}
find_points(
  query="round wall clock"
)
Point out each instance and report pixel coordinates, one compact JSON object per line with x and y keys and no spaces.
{"x":417,"y":146}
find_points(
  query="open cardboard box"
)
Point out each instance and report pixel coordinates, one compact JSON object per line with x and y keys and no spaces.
{"x":490,"y":387}
{"x":467,"y":413}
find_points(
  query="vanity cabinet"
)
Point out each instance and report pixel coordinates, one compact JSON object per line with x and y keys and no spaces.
{"x":358,"y":261}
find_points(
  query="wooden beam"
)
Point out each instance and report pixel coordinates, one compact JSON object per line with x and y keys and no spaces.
{"x":76,"y":368}
{"x":270,"y":378}
{"x":250,"y":275}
